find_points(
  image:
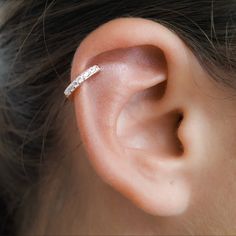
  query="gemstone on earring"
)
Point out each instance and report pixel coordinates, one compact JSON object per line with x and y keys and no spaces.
{"x":75,"y":83}
{"x":86,"y":74}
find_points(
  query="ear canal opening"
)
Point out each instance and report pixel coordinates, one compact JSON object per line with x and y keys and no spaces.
{"x":179,"y":145}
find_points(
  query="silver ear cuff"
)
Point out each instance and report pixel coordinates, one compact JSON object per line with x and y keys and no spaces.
{"x":80,"y":79}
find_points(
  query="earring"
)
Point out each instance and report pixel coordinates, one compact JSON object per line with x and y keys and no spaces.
{"x":80,"y":79}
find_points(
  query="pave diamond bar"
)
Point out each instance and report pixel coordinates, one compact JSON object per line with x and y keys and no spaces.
{"x":80,"y":79}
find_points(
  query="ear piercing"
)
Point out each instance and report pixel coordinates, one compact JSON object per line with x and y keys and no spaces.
{"x":80,"y":79}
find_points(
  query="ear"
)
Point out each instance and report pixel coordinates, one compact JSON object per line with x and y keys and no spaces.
{"x":129,"y":114}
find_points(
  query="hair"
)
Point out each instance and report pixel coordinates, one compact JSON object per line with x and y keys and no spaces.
{"x":37,"y":42}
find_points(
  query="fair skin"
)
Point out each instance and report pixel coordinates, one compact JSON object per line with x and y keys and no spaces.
{"x":140,"y":171}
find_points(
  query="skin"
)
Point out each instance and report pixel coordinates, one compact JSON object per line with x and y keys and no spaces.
{"x":141,"y":169}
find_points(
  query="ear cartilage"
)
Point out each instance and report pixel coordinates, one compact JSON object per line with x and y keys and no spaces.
{"x":80,"y":79}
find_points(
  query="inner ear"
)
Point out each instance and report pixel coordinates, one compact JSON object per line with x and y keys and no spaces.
{"x":141,"y":125}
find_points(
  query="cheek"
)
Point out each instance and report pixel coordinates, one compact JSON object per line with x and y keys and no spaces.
{"x":214,"y":164}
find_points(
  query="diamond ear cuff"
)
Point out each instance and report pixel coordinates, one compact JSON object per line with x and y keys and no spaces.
{"x":80,"y":79}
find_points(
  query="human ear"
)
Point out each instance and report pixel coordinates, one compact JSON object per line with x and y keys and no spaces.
{"x":133,"y":114}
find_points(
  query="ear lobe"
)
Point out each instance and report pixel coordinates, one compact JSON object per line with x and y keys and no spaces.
{"x":129,"y":124}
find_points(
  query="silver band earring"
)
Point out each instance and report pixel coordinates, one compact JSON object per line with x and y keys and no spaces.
{"x":80,"y":79}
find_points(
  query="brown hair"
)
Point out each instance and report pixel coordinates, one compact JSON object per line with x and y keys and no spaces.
{"x":38,"y":40}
